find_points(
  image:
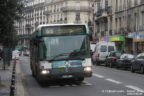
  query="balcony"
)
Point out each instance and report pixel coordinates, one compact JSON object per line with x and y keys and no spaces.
{"x":24,"y":36}
{"x":47,"y":12}
{"x":39,"y":5}
{"x":142,"y":2}
{"x":28,"y":26}
{"x":103,"y":12}
{"x":110,"y":32}
{"x":99,"y":13}
{"x":74,"y":8}
{"x":109,"y":10}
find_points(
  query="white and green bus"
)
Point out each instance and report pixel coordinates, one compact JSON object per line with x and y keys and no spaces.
{"x":60,"y":51}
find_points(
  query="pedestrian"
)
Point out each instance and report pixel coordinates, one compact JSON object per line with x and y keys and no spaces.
{"x":0,"y":54}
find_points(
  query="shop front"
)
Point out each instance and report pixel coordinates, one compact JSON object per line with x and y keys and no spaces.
{"x":119,"y":41}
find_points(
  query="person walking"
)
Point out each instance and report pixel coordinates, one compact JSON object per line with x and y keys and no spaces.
{"x":0,"y":54}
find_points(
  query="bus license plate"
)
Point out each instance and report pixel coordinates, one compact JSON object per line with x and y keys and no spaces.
{"x":67,"y":76}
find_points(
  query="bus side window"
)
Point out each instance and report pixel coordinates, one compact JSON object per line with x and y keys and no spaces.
{"x":41,"y":51}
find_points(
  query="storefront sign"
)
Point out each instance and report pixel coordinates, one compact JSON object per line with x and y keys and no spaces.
{"x":131,"y":35}
{"x":117,"y":38}
{"x":107,"y":38}
{"x":138,"y":36}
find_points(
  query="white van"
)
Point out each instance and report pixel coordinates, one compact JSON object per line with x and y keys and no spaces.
{"x":92,"y":46}
{"x":102,"y":49}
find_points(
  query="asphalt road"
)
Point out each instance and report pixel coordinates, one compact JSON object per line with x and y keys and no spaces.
{"x":105,"y":82}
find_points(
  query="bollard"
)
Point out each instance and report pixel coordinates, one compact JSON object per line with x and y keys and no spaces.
{"x":0,"y":80}
{"x":12,"y":87}
{"x":13,"y":75}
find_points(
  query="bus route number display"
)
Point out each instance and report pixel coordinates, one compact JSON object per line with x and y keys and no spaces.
{"x":64,"y":30}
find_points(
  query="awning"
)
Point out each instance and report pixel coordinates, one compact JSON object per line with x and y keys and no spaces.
{"x":19,"y":47}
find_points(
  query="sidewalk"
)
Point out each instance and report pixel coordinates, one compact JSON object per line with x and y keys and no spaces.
{"x":5,"y":79}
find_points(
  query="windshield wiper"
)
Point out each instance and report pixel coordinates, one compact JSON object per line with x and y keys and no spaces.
{"x":77,"y":52}
{"x":59,"y":55}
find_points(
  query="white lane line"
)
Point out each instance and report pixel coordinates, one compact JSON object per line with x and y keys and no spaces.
{"x":87,"y":83}
{"x":113,"y":81}
{"x":97,"y":75}
{"x":135,"y":88}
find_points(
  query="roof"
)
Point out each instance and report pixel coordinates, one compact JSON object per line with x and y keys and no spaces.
{"x":43,"y":25}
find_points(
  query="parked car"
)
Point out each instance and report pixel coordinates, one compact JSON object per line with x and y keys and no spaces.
{"x":26,"y":53}
{"x":125,"y":61}
{"x":138,"y":64}
{"x":102,"y":49}
{"x":111,"y":59}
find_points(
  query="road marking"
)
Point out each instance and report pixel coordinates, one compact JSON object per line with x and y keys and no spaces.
{"x":86,"y":83}
{"x":114,"y":81}
{"x":97,"y":75}
{"x":135,"y":88}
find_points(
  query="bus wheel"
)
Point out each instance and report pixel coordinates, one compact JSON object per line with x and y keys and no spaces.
{"x":132,"y":70}
{"x":37,"y":76}
{"x":142,"y":70}
{"x":33,"y":75}
{"x":80,"y":79}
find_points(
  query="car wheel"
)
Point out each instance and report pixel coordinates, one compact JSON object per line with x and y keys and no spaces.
{"x":132,"y":70}
{"x":142,"y":69}
{"x":106,"y":62}
{"x":33,"y":75}
{"x":97,"y":63}
{"x":117,"y":66}
{"x":110,"y":65}
{"x":38,"y":77}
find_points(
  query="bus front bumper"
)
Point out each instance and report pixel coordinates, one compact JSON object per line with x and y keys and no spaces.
{"x":57,"y":74}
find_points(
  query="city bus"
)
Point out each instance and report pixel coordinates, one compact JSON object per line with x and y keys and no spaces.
{"x":60,"y":51}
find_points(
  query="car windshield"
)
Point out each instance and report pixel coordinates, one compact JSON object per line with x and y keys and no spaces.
{"x":118,"y":54}
{"x":64,"y":46}
{"x":110,"y":48}
{"x":103,"y":48}
{"x":140,"y":56}
{"x":127,"y":56}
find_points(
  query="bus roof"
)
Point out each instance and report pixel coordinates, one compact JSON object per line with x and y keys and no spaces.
{"x":44,"y":25}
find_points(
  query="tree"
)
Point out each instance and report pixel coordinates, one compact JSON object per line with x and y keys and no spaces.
{"x":10,"y":10}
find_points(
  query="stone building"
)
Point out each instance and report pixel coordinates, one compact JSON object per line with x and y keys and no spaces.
{"x":103,"y":18}
{"x":38,"y":12}
{"x":125,"y":26}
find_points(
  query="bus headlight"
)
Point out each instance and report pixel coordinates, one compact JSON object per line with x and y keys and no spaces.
{"x":87,"y":69}
{"x":45,"y":65}
{"x":45,"y":72}
{"x":87,"y":62}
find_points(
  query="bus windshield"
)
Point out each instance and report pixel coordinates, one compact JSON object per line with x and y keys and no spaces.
{"x":67,"y":29}
{"x":76,"y":46}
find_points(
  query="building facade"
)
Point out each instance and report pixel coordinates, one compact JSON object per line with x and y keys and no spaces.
{"x":102,"y":18}
{"x":124,"y":26}
{"x":38,"y":12}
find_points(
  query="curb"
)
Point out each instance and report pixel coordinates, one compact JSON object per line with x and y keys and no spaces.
{"x":20,"y":90}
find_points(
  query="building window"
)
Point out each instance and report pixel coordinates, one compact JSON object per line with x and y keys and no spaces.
{"x":77,"y":5}
{"x":77,"y":16}
{"x":143,"y":20}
